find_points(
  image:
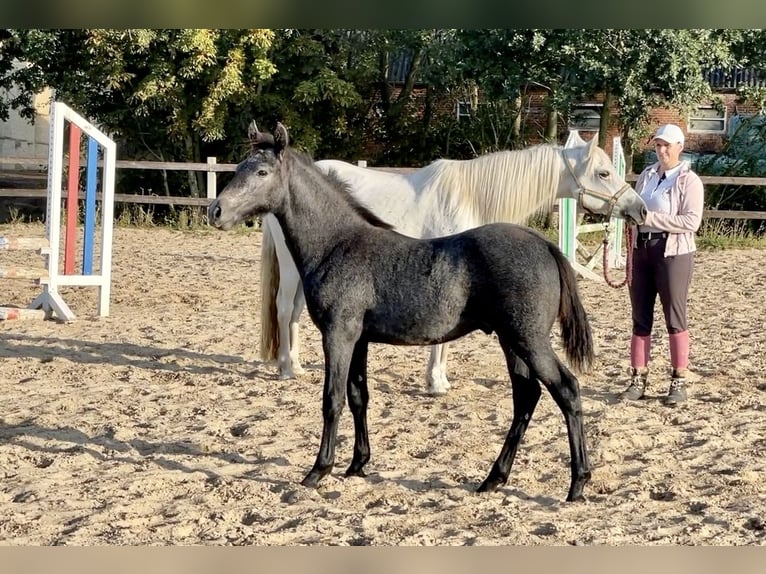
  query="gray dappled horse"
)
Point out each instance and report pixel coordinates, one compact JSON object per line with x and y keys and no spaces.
{"x":443,"y":198}
{"x":365,"y":283}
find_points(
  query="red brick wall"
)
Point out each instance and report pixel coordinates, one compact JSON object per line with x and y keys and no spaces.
{"x":695,"y":142}
{"x":702,"y":143}
{"x":535,"y":118}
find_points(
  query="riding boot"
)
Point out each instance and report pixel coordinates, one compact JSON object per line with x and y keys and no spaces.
{"x":639,"y":359}
{"x":639,"y":351}
{"x":679,"y":360}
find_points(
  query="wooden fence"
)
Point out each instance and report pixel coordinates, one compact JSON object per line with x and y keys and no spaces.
{"x":212,"y":168}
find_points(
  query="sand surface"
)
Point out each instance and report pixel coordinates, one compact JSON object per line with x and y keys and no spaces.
{"x":160,"y":425}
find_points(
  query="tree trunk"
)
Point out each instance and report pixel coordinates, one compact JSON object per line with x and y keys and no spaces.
{"x":627,"y":148}
{"x":192,"y":176}
{"x":606,"y":115}
{"x":428,"y":112}
{"x":551,"y":126}
{"x":516,"y":127}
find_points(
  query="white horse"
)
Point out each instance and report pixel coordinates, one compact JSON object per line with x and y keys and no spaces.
{"x":445,"y":197}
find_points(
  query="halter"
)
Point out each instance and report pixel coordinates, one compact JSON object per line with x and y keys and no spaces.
{"x":611,"y":201}
{"x":582,"y":191}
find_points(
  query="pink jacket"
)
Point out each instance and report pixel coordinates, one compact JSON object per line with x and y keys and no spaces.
{"x":687,"y":201}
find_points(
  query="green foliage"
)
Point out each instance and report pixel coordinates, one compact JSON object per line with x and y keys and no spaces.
{"x":165,"y":95}
{"x":645,"y":69}
{"x":744,"y":155}
{"x":184,"y":94}
{"x":19,"y":82}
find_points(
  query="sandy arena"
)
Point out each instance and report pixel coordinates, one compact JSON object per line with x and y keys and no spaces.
{"x":159,"y":425}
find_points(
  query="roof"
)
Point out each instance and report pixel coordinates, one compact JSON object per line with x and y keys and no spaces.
{"x":734,"y":78}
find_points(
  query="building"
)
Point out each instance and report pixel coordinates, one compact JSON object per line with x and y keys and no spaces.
{"x":19,"y":138}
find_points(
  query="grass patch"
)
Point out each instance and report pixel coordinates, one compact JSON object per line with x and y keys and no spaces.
{"x":719,"y":234}
{"x":713,"y":234}
{"x":188,"y":218}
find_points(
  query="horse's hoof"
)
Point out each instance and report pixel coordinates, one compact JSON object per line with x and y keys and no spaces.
{"x":578,"y":498}
{"x":311,"y":480}
{"x":356,"y":472}
{"x":489,"y":486}
{"x":294,"y":368}
{"x":437,"y":384}
{"x":438,"y":389}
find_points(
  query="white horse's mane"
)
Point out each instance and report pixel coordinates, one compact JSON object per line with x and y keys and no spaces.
{"x":478,"y":187}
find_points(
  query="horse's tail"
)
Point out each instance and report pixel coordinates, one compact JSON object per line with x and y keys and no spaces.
{"x":575,"y":327}
{"x":269,"y":289}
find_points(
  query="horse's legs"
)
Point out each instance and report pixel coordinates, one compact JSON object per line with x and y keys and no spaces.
{"x":287,"y":318}
{"x":546,"y":367}
{"x":526,"y":393}
{"x":436,"y":373}
{"x":299,"y":302}
{"x":566,"y":392}
{"x":358,"y":397}
{"x":338,"y":350}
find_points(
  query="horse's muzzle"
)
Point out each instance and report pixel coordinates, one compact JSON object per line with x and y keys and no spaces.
{"x":642,"y":214}
{"x":214,"y":213}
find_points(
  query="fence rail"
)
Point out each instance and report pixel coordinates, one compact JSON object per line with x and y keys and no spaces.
{"x":211,"y":167}
{"x":118,"y":197}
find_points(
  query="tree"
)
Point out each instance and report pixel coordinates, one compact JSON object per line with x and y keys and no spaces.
{"x":339,"y":90}
{"x":18,"y":83}
{"x":170,"y":91}
{"x":748,"y":48}
{"x":506,"y":63}
{"x":321,"y":90}
{"x":638,"y":70}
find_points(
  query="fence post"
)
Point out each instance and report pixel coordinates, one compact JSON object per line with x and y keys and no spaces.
{"x":617,"y":227}
{"x":568,"y":228}
{"x":212,"y":192}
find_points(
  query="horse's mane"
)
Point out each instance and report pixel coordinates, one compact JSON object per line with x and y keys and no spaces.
{"x":500,"y":186}
{"x":342,"y":188}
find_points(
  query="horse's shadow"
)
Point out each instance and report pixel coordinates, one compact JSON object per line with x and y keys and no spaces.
{"x":267,"y":370}
{"x":134,"y":452}
{"x":493,"y":383}
{"x":46,"y":349}
{"x":608,"y":397}
{"x":469,"y":487}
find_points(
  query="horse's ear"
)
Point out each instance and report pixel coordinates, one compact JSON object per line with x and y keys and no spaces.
{"x":252,"y":132}
{"x":593,"y":144}
{"x":281,"y":139}
{"x":259,"y":139}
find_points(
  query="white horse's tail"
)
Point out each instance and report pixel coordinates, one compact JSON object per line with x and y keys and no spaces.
{"x":269,"y":288}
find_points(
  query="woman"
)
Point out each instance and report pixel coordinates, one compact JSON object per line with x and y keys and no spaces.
{"x":663,"y":261}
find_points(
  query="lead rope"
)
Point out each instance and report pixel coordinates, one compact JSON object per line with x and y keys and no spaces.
{"x":628,"y":258}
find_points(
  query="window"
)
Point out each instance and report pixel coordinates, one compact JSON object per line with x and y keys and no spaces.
{"x":585,"y":117}
{"x":707,"y":119}
{"x":463,"y":109}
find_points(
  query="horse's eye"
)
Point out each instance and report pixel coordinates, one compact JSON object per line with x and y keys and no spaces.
{"x":262,"y":173}
{"x":604,"y":174}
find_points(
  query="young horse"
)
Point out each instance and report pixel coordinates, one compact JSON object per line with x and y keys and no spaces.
{"x":442,"y":198}
{"x":365,"y":283}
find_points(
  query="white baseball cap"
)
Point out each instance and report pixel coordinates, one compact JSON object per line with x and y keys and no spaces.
{"x":670,"y":133}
